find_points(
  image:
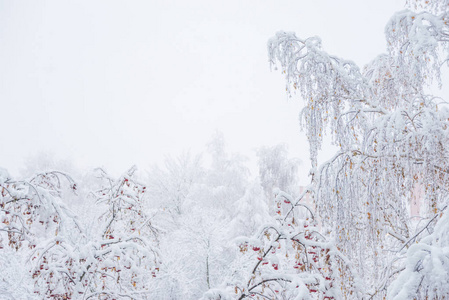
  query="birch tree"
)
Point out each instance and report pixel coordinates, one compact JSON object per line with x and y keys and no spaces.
{"x":391,"y":134}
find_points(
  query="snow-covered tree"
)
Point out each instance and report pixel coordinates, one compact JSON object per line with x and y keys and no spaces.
{"x":195,"y":256}
{"x":61,"y":259}
{"x":216,"y":204}
{"x":289,"y":258}
{"x":425,"y":274}
{"x":252,"y":211}
{"x":122,"y":257}
{"x":36,"y":223}
{"x":391,"y":135}
{"x":276,"y":170}
{"x":227,"y":176}
{"x":170,"y":186}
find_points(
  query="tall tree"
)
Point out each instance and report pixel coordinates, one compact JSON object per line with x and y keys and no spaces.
{"x":391,"y":134}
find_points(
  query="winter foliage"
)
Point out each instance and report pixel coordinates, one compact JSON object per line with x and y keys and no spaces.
{"x":372,"y":223}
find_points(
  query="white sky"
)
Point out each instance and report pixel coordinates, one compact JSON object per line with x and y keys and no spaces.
{"x":116,"y":83}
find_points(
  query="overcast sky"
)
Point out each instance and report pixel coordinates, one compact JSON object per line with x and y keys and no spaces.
{"x":116,"y":83}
